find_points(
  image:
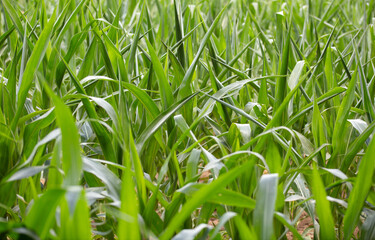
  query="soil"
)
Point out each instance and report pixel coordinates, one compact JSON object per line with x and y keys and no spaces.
{"x":303,"y":224}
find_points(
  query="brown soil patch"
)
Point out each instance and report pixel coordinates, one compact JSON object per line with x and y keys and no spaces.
{"x":302,"y":227}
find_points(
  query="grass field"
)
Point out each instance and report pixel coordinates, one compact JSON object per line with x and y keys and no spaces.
{"x":187,"y":119}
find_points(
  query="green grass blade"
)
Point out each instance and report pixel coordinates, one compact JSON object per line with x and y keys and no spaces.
{"x":164,"y":87}
{"x":265,"y":206}
{"x":44,"y":208}
{"x":128,"y":223}
{"x":32,"y":64}
{"x":103,"y":136}
{"x":201,"y":196}
{"x":71,"y":150}
{"x":159,"y":121}
{"x":185,"y":84}
{"x":323,"y":209}
{"x":360,"y":190}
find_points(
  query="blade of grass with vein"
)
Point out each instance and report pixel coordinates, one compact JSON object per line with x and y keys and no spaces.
{"x":265,"y":206}
{"x":318,"y":133}
{"x":281,"y":84}
{"x":179,"y":34}
{"x":244,"y":230}
{"x":32,"y":64}
{"x":360,"y":190}
{"x":87,"y":60}
{"x":14,"y":16}
{"x":323,"y":209}
{"x":12,"y":84}
{"x":141,"y":186}
{"x":128,"y":222}
{"x":5,"y":35}
{"x":366,"y":99}
{"x":320,"y":100}
{"x":67,"y":24}
{"x":71,"y":151}
{"x":276,"y":120}
{"x":145,"y":99}
{"x":178,"y":69}
{"x":75,"y":43}
{"x":109,"y":66}
{"x":269,"y":48}
{"x":262,"y":98}
{"x":75,"y":217}
{"x":223,"y":196}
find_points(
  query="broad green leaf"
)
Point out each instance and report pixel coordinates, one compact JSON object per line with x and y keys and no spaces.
{"x":323,"y":209}
{"x":71,"y":150}
{"x":265,"y":206}
{"x":223,"y":196}
{"x":44,"y":208}
{"x":128,"y":223}
{"x":360,"y":190}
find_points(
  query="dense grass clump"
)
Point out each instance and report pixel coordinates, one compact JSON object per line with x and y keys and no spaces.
{"x":184,"y":119}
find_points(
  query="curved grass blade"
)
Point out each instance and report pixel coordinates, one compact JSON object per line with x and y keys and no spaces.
{"x":201,"y":196}
{"x":356,"y":146}
{"x":164,"y":87}
{"x":159,"y":121}
{"x":32,"y":65}
{"x":103,"y":136}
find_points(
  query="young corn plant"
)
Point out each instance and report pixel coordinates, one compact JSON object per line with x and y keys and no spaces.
{"x":185,"y":119}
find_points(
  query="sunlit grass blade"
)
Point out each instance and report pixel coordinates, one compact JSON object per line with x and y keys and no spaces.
{"x":265,"y":206}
